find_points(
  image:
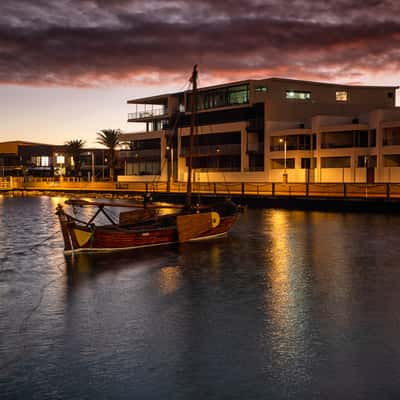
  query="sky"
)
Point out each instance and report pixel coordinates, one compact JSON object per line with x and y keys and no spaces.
{"x":67,"y":67}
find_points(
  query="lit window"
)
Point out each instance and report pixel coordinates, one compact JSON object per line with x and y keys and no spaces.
{"x":44,"y":161}
{"x":297,"y":95}
{"x":60,"y":160}
{"x":261,"y":89}
{"x":342,"y":95}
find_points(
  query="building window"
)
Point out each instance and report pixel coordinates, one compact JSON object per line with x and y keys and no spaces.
{"x":210,"y":144}
{"x":335,"y":162}
{"x":217,"y":163}
{"x":308,"y":162}
{"x":336,"y":140}
{"x":261,"y":89}
{"x":256,"y":162}
{"x":342,"y":95}
{"x":298,"y":95}
{"x":156,"y":125}
{"x":342,"y":139}
{"x":293,"y":142}
{"x":372,"y":137}
{"x":391,"y":136}
{"x":366,"y":161}
{"x":60,"y":160}
{"x":279,"y":163}
{"x":145,"y":144}
{"x":222,"y":97}
{"x":143,"y":167}
{"x":42,"y":161}
{"x":391,"y":160}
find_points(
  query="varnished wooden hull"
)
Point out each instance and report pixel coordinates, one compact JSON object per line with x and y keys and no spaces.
{"x":80,"y":238}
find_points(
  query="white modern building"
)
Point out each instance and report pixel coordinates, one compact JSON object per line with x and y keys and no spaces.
{"x":269,"y":130}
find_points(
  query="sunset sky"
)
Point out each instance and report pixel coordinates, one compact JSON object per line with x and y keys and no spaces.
{"x":67,"y":67}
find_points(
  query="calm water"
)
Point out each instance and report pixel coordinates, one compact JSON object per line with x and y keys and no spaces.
{"x":291,"y":305}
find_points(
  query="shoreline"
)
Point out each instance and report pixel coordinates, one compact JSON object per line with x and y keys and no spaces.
{"x":289,"y":202}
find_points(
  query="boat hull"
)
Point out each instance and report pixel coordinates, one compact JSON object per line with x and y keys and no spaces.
{"x":81,"y":238}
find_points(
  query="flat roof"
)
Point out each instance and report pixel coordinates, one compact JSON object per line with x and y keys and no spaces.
{"x":163,"y":98}
{"x":23,"y":143}
{"x":325,"y":83}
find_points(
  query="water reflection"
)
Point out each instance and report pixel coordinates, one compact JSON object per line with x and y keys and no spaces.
{"x":287,"y":299}
{"x":169,"y":279}
{"x":275,"y":310}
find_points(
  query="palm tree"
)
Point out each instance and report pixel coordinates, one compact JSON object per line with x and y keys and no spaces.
{"x":75,"y":149}
{"x":110,"y":138}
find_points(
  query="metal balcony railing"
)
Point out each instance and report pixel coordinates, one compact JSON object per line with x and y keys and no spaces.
{"x":145,"y":153}
{"x":225,"y":149}
{"x":148,"y":113}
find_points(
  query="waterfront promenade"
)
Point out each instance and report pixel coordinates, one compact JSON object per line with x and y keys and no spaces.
{"x":380,"y":197}
{"x":312,"y":190}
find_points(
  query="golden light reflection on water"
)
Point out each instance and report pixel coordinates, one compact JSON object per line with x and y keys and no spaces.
{"x":280,"y":271}
{"x":57,"y":200}
{"x":285,"y":298}
{"x":169,"y":279}
{"x":308,"y":250}
{"x":331,"y":268}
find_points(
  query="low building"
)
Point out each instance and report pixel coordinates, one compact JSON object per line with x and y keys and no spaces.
{"x":19,"y":158}
{"x":269,"y":130}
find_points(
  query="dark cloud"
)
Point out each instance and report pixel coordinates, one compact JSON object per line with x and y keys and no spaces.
{"x":95,"y":42}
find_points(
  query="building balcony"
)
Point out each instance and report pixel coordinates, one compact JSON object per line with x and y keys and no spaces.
{"x":212,"y":150}
{"x":146,"y":115}
{"x":140,"y":154}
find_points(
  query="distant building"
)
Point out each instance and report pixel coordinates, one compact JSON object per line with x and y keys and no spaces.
{"x":19,"y":158}
{"x":268,"y":130}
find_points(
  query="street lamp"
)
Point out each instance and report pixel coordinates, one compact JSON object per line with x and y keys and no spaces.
{"x":285,"y":176}
{"x":92,"y":166}
{"x":171,"y":158}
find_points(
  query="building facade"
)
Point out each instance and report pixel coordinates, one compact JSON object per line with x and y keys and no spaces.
{"x":18,"y":158}
{"x":269,"y":130}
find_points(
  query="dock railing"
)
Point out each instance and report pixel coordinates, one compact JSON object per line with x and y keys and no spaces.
{"x":330,"y":190}
{"x":316,"y":190}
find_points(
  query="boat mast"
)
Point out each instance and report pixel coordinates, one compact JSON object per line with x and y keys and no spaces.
{"x":193,"y":80}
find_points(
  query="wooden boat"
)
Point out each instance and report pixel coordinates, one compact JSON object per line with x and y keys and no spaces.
{"x":144,"y":225}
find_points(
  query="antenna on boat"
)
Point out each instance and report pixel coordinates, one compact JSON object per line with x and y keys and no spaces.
{"x":193,"y":81}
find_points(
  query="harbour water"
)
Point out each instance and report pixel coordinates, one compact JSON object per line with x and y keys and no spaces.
{"x":290,"y":305}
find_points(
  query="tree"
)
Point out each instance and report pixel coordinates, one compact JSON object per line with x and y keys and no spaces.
{"x":110,"y":138}
{"x":75,"y":149}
